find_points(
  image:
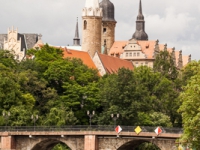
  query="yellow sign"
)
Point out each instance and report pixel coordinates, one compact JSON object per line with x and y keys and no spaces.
{"x":180,"y":147}
{"x":138,"y":130}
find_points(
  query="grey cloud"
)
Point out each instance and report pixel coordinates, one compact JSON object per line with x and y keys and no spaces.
{"x":175,"y":22}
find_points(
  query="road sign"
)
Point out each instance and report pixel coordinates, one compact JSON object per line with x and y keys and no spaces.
{"x":118,"y":129}
{"x":158,"y":130}
{"x":138,"y":130}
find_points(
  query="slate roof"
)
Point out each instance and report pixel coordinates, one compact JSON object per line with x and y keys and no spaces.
{"x":27,"y":40}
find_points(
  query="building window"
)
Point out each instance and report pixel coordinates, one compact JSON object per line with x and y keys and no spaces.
{"x":126,"y":54}
{"x":130,"y":54}
{"x":104,"y":30}
{"x":136,"y":64}
{"x":138,"y":54}
{"x":146,"y":63}
{"x":85,"y":25}
{"x":134,"y":54}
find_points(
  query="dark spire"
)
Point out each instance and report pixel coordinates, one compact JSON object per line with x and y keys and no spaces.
{"x":76,"y":38}
{"x":140,"y":15}
{"x":140,"y":33}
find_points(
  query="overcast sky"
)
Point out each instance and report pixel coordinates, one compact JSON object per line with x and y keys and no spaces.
{"x":175,"y":22}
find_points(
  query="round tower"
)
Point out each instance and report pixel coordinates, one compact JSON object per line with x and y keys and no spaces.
{"x":91,"y":31}
{"x":108,"y":24}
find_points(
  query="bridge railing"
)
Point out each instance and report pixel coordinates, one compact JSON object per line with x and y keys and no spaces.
{"x":84,"y":128}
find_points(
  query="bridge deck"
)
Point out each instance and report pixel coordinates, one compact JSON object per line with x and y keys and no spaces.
{"x":103,"y":131}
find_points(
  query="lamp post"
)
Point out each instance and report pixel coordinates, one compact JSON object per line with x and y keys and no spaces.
{"x":82,"y":102}
{"x":6,"y":115}
{"x":114,"y":117}
{"x":34,"y":118}
{"x":90,"y":115}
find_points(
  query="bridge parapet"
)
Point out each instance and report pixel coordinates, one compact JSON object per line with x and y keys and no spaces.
{"x":85,"y":128}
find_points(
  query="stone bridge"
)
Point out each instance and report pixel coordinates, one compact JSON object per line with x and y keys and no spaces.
{"x":84,"y":139}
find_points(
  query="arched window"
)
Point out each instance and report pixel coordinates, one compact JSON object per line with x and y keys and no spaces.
{"x":85,"y":25}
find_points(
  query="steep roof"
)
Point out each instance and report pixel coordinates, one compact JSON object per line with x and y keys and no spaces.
{"x":147,"y":48}
{"x":113,"y":64}
{"x":84,"y":56}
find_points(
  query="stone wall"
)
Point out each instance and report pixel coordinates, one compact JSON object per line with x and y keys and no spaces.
{"x":91,"y":39}
{"x":108,"y":33}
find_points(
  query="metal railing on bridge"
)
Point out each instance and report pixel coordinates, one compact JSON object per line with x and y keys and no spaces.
{"x":84,"y":128}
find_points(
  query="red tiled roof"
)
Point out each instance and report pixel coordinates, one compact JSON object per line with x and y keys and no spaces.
{"x":84,"y":56}
{"x":113,"y":64}
{"x":118,"y":47}
{"x":148,"y":48}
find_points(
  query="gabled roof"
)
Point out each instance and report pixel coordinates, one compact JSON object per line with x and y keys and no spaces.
{"x":84,"y":56}
{"x":113,"y":64}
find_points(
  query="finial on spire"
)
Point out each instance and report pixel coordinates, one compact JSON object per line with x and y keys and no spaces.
{"x":140,"y":9}
{"x":140,"y":15}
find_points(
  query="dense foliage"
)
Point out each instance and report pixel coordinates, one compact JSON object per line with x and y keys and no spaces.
{"x":60,"y":91}
{"x":190,"y":107}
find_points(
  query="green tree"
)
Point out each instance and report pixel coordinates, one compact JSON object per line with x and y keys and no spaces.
{"x":189,"y":70}
{"x":10,"y":95}
{"x":61,"y":146}
{"x":59,"y":117}
{"x":7,"y":59}
{"x":164,"y":63}
{"x":190,"y":111}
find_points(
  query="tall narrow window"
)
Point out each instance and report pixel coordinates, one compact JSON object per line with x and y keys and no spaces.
{"x":85,"y":25}
{"x":104,"y":30}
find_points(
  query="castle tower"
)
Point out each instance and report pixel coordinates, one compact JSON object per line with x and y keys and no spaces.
{"x":108,"y":24}
{"x":76,"y":38}
{"x":92,"y":24}
{"x":140,"y":33}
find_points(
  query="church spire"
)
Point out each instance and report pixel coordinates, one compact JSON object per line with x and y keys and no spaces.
{"x":140,"y":15}
{"x":140,"y":33}
{"x":76,"y":38}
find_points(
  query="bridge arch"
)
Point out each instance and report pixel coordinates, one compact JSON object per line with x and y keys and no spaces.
{"x":49,"y":144}
{"x":132,"y":144}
